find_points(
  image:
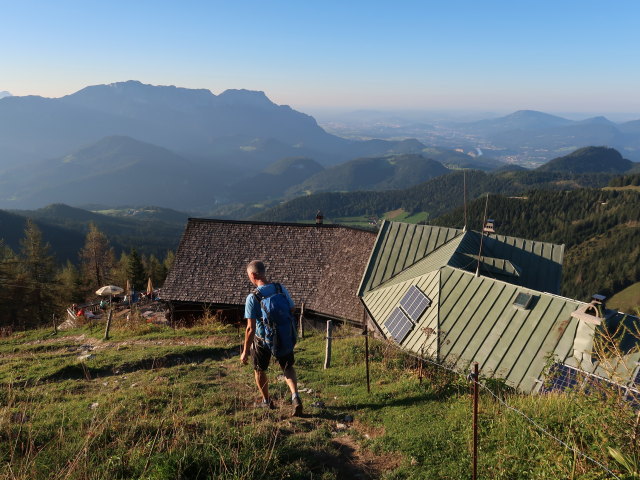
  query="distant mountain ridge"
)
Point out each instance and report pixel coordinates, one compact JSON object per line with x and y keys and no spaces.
{"x":589,"y":160}
{"x":529,"y":130}
{"x":378,"y":173}
{"x":115,"y":170}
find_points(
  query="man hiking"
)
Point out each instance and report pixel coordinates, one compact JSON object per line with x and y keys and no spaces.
{"x":270,"y":331}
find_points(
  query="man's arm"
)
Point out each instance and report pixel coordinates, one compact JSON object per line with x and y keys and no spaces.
{"x":249,"y":333}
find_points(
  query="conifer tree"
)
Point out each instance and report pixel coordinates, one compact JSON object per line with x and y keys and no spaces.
{"x":97,"y":258}
{"x":38,"y":268}
{"x":136,"y":272}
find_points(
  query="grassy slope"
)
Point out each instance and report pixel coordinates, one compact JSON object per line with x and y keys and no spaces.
{"x":157,"y":403}
{"x":628,"y":300}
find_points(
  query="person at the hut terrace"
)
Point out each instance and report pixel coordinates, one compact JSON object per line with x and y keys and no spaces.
{"x":270,"y":332}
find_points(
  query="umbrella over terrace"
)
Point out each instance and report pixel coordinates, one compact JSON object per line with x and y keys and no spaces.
{"x":109,"y":290}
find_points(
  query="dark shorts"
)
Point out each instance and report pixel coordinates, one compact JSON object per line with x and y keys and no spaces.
{"x":261,"y":356}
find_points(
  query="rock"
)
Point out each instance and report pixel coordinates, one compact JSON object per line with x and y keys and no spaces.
{"x":318,"y":404}
{"x":348,"y":418}
{"x":414,"y":462}
{"x":94,"y":405}
{"x":341,"y":426}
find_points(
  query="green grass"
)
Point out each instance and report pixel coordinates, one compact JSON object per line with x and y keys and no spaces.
{"x":158,"y":403}
{"x":628,"y":300}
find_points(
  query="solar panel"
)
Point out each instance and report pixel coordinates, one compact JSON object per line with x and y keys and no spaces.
{"x":604,"y":388}
{"x":523,"y":300}
{"x":633,"y":397}
{"x":414,"y":303}
{"x":398,"y":325}
{"x":561,"y":377}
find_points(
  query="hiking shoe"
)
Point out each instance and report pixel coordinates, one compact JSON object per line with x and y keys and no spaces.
{"x":297,"y":407}
{"x":268,"y":404}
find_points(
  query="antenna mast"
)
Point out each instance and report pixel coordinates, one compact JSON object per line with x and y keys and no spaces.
{"x":464,"y":192}
{"x":484,"y":220}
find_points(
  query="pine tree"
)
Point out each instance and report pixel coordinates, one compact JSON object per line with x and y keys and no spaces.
{"x":38,"y":267}
{"x":97,"y":258}
{"x":155,"y":270}
{"x":136,"y":272}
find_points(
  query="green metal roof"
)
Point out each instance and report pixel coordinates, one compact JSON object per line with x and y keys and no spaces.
{"x":478,"y":322}
{"x":403,"y":250}
{"x":538,"y":264}
{"x":474,"y":318}
{"x":398,"y":247}
{"x":434,"y":261}
{"x":381,"y":302}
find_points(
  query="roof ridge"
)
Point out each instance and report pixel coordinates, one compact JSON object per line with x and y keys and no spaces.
{"x":283,"y":224}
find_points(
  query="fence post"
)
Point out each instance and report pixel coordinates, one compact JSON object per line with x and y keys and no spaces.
{"x":106,"y":330}
{"x":366,"y":354}
{"x":301,"y":322}
{"x":55,"y":327}
{"x":327,"y":353}
{"x":420,"y":366}
{"x":475,"y":420}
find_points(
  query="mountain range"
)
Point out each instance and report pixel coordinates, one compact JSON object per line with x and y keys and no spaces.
{"x":540,"y":136}
{"x":135,"y":144}
{"x":526,"y":136}
{"x":129,"y":142}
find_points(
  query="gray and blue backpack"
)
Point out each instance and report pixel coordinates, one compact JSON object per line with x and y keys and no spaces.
{"x":279,"y":325}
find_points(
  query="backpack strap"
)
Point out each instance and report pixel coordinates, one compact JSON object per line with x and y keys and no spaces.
{"x":258,"y":295}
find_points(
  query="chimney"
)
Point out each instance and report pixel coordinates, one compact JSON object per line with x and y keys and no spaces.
{"x":319,"y":218}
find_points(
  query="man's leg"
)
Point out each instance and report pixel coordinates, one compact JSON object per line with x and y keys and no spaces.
{"x":292,"y":382}
{"x":263,"y":384}
{"x":291,"y":379}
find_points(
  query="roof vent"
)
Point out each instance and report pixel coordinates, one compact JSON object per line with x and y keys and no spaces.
{"x":523,"y":301}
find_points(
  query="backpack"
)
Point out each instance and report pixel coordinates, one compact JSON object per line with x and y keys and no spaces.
{"x":279,"y":327}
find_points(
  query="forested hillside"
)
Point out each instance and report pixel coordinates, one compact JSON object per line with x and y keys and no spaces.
{"x":434,"y":197}
{"x":600,"y":228}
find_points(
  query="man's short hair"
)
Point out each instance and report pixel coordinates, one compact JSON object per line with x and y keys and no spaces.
{"x":257,"y":267}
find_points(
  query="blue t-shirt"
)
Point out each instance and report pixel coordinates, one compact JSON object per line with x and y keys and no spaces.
{"x":252,"y":307}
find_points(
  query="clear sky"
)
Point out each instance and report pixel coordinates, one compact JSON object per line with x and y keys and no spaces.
{"x":554,"y":56}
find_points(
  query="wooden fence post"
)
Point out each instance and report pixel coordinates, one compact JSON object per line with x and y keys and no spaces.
{"x":106,"y":330}
{"x":366,"y":355}
{"x":55,"y":326}
{"x":475,"y":421}
{"x":327,"y":353}
{"x":301,"y":320}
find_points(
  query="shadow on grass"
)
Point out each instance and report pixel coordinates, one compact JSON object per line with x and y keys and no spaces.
{"x":82,"y":370}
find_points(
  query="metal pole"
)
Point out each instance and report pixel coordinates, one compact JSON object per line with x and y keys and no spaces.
{"x":301,"y":322}
{"x":475,"y":420}
{"x":327,"y":353}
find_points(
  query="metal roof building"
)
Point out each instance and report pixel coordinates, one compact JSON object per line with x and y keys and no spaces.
{"x":428,"y":289}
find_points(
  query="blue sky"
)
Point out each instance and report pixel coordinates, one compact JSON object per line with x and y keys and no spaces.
{"x":555,"y":56}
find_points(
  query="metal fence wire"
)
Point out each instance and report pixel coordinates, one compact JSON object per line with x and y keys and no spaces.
{"x":470,"y":377}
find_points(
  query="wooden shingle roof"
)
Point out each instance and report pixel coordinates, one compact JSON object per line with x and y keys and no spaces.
{"x":321,"y":265}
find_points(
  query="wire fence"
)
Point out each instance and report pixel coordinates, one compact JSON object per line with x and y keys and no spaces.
{"x":482,"y":385}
